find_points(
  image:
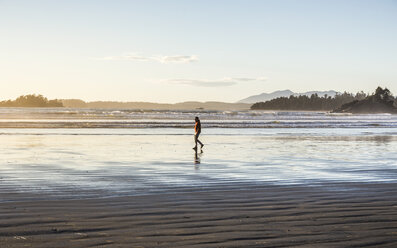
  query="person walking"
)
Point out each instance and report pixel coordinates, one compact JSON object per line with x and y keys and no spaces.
{"x":197,"y":129}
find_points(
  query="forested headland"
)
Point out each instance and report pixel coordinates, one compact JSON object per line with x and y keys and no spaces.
{"x":382,"y":101}
{"x":31,"y":101}
{"x":327,"y":103}
{"x":314,"y":102}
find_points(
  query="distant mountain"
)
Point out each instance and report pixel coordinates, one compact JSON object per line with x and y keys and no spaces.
{"x":266,"y":96}
{"x":284,"y":93}
{"x":77,"y":103}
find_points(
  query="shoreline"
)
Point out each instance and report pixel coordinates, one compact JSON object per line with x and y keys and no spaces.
{"x":356,"y":215}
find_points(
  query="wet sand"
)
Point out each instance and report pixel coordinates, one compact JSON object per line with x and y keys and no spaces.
{"x":334,"y":215}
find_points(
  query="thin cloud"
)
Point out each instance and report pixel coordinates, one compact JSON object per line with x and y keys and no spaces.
{"x":213,"y":83}
{"x":244,"y":79}
{"x":170,"y":59}
{"x":202,"y":83}
{"x":177,"y":59}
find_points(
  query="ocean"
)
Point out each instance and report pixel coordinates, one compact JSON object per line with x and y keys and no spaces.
{"x":80,"y":153}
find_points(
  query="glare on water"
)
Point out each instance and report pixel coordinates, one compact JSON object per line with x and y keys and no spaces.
{"x":125,"y":161}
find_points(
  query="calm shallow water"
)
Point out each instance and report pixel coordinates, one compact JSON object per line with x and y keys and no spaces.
{"x":119,"y":161}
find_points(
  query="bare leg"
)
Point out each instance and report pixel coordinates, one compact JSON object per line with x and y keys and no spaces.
{"x":197,"y":140}
{"x":199,"y":143}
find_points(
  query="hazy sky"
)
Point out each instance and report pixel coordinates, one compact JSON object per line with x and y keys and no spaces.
{"x":172,"y":51}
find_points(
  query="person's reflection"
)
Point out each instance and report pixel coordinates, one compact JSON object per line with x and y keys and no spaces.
{"x":197,"y":158}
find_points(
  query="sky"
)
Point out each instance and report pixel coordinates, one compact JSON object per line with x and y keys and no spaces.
{"x":173,"y":51}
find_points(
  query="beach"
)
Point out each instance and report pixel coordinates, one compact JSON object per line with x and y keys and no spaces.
{"x":233,"y":216}
{"x":253,"y":185}
{"x":198,"y":124}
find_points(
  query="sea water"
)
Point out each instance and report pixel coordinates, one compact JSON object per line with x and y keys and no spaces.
{"x":59,"y":153}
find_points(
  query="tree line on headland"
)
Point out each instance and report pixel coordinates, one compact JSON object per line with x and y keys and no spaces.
{"x":381,"y":101}
{"x":32,"y":101}
{"x":316,"y":103}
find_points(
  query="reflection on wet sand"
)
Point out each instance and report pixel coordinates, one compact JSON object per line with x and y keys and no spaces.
{"x":110,"y":162}
{"x":197,"y":157}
